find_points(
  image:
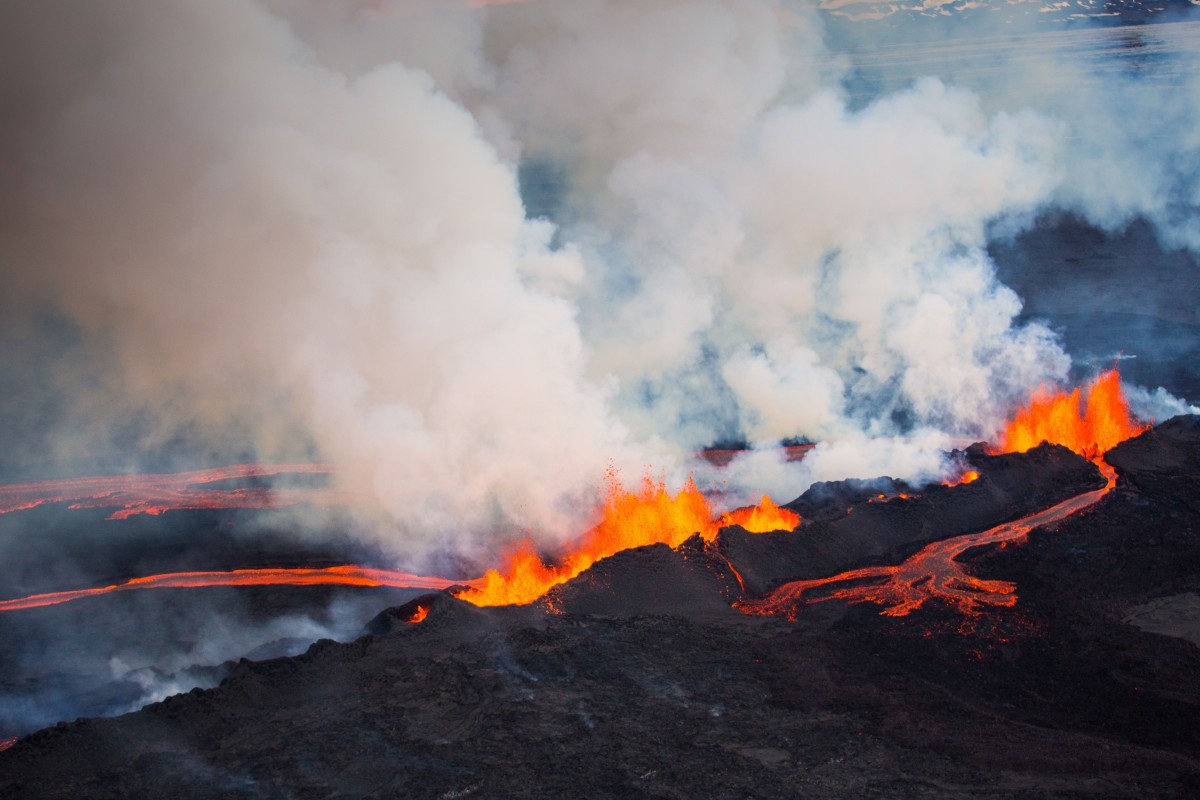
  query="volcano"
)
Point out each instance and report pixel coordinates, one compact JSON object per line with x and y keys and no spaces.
{"x":1054,"y":668}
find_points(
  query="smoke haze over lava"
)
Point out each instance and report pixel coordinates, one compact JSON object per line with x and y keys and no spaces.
{"x":430,"y":270}
{"x":470,"y":256}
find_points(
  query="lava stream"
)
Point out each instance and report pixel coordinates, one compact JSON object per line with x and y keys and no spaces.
{"x":346,"y":575}
{"x":7,"y":743}
{"x":933,"y":572}
{"x":1089,"y":428}
{"x":154,"y":494}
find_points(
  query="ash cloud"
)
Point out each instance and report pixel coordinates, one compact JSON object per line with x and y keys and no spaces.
{"x":304,"y":222}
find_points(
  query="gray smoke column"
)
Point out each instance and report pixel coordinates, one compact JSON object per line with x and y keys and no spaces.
{"x":307,"y":215}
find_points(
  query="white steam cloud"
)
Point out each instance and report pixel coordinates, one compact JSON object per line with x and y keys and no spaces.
{"x":308,"y":215}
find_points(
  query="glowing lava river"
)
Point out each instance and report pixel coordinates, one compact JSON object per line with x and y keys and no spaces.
{"x":155,"y":494}
{"x":347,"y":575}
{"x":629,"y":519}
{"x":933,"y":572}
{"x":1090,"y":429}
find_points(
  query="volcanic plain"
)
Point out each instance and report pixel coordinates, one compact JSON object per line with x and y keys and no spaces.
{"x":639,"y":678}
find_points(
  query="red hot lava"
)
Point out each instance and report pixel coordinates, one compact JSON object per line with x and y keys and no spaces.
{"x":7,"y":743}
{"x":630,"y":519}
{"x":935,"y":572}
{"x":347,"y":575}
{"x":155,"y":494}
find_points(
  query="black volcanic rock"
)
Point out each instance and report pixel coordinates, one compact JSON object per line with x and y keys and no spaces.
{"x":1009,"y":486}
{"x":690,"y":579}
{"x":1141,"y":542}
{"x":645,"y":684}
{"x":826,"y":501}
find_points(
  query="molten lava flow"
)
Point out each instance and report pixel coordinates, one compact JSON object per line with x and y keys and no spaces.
{"x":884,"y":498}
{"x":1090,"y":427}
{"x":651,"y":515}
{"x":347,"y":575}
{"x":418,"y":616}
{"x":970,"y":476}
{"x":155,"y":494}
{"x":934,"y":572}
{"x":762,"y":518}
{"x":7,"y":743}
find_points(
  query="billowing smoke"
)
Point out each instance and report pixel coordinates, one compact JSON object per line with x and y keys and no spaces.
{"x":473,"y":255}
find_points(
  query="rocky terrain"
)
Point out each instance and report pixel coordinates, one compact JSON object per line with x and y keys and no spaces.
{"x":639,"y":680}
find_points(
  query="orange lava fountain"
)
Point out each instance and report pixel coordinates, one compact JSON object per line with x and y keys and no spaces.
{"x":347,"y":575}
{"x":651,"y":515}
{"x":970,"y":476}
{"x":155,"y":494}
{"x":1090,"y":427}
{"x":630,"y":519}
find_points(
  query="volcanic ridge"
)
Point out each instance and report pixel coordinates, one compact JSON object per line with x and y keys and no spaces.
{"x":639,"y":676}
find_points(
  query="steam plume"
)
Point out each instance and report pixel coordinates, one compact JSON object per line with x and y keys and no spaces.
{"x":306,"y":217}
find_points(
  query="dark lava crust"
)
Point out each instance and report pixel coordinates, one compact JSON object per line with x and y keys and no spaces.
{"x":646,"y":684}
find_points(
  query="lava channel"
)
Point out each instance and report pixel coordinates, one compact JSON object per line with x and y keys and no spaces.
{"x":1088,"y":426}
{"x":345,"y":575}
{"x":933,"y":572}
{"x":131,"y":495}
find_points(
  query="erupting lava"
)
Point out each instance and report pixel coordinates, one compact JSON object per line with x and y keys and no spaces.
{"x":630,"y":519}
{"x":155,"y":494}
{"x":7,"y":743}
{"x":935,"y":571}
{"x":970,"y":476}
{"x":652,"y":515}
{"x":336,"y":576}
{"x":1090,"y":427}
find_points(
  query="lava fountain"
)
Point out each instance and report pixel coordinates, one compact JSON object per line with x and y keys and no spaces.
{"x":630,"y":519}
{"x":650,"y":515}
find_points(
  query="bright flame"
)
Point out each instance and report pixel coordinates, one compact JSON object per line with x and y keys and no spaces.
{"x":970,"y":476}
{"x":651,"y":515}
{"x":1089,"y":428}
{"x":418,"y":616}
{"x":762,"y":518}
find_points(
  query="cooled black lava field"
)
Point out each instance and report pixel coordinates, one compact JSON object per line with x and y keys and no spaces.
{"x":644,"y":682}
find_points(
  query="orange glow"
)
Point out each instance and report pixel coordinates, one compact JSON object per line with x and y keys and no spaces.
{"x":651,"y":515}
{"x":7,"y":743}
{"x":884,"y":498}
{"x":1090,"y":427}
{"x":970,"y":476}
{"x":933,"y":572}
{"x":347,"y":575}
{"x":762,"y":518}
{"x":418,"y":616}
{"x":155,"y":494}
